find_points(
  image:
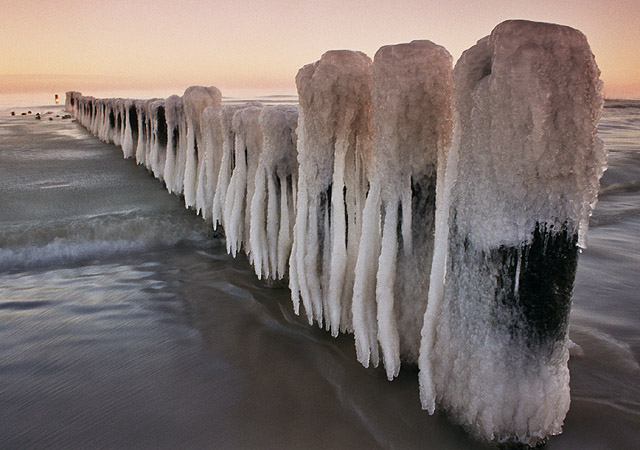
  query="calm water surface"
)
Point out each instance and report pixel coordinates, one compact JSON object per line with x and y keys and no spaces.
{"x":124,"y":324}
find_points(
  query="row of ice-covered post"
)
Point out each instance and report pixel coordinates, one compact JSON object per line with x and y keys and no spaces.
{"x":433,"y":213}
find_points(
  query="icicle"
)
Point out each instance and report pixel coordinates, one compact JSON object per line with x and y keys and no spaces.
{"x":386,"y":277}
{"x":258,"y":235}
{"x":285,"y":234}
{"x":141,"y":147}
{"x":365,"y":326}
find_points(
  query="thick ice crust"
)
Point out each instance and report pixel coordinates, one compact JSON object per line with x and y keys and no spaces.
{"x":528,"y":99}
{"x":522,"y":177}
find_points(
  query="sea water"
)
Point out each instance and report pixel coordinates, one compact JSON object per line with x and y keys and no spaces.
{"x":124,"y":323}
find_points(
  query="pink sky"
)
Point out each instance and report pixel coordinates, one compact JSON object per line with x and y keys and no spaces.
{"x":90,"y":45}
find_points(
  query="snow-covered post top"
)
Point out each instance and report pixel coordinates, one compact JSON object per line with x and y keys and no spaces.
{"x":335,"y":106}
{"x":245,"y":124}
{"x":412,"y":109}
{"x":279,"y":153}
{"x":196,"y":99}
{"x":528,"y":99}
{"x":175,"y":109}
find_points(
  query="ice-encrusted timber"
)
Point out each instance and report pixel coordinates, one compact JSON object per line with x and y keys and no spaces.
{"x":512,"y":200}
{"x":195,"y":100}
{"x":273,"y":204}
{"x":522,"y":177}
{"x":334,"y":153}
{"x":237,"y":207}
{"x":176,"y":144}
{"x":211,"y":128}
{"x":227,"y":161}
{"x":411,"y":94}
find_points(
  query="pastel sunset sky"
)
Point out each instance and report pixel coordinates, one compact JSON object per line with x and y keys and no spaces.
{"x":58,"y":45}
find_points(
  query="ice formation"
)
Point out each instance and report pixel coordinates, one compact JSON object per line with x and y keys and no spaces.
{"x":156,"y":159}
{"x":212,"y":135}
{"x":142,"y":145}
{"x":237,"y":206}
{"x":273,"y":201}
{"x":400,"y":195}
{"x":71,"y":102}
{"x":130,"y":131}
{"x":176,"y":141}
{"x":227,"y":161}
{"x":195,"y":100}
{"x":334,"y":153}
{"x":522,"y":177}
{"x":411,"y":95}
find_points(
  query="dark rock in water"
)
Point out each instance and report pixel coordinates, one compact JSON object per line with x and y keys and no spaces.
{"x":37,"y":116}
{"x":24,"y":114}
{"x":66,"y":116}
{"x":57,"y":115}
{"x":13,"y":113}
{"x":50,"y":118}
{"x":28,"y":112}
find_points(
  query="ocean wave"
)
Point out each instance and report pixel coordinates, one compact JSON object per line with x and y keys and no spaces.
{"x":619,"y":104}
{"x":98,"y":237}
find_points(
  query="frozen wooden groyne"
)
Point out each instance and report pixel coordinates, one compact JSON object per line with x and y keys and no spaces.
{"x":434,"y":213}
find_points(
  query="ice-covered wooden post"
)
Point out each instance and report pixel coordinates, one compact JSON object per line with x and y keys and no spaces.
{"x":273,"y":203}
{"x":176,"y":144}
{"x":411,"y":96}
{"x":130,"y":134}
{"x":334,"y":152}
{"x":70,"y":102}
{"x":522,"y":177}
{"x":158,"y":138}
{"x":211,"y":127}
{"x":237,"y":207}
{"x":195,"y":100}
{"x":227,"y":160}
